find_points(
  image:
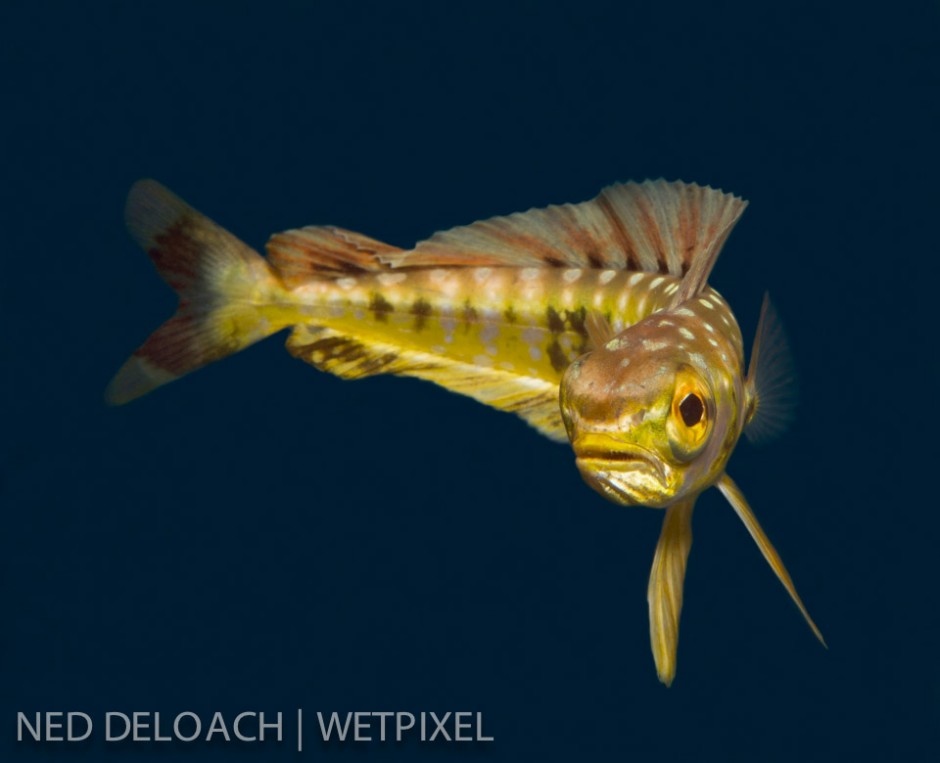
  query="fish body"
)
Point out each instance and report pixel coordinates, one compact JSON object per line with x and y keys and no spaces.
{"x":593,"y":322}
{"x":526,"y":320}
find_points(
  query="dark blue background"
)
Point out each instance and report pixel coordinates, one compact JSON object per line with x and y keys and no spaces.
{"x":263,"y":536}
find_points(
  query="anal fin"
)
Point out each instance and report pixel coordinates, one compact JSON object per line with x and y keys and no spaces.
{"x":339,"y":354}
{"x":354,"y":357}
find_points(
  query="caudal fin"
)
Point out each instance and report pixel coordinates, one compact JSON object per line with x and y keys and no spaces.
{"x":223,"y":287}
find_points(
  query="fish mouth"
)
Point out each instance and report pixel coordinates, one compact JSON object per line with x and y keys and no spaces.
{"x":610,"y":456}
{"x":603,"y":449}
{"x":624,"y":473}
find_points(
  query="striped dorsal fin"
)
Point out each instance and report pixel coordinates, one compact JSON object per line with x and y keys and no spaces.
{"x":355,"y":357}
{"x":324,"y":252}
{"x":654,"y":226}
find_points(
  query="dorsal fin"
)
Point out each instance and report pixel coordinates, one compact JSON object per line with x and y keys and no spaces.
{"x":654,"y":226}
{"x":704,"y":237}
{"x":324,"y":252}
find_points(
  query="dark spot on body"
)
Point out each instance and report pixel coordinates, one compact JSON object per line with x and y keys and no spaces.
{"x":557,"y":356}
{"x":380,"y":307}
{"x":576,"y":320}
{"x":421,"y":309}
{"x":595,"y":260}
{"x":510,"y":315}
{"x":469,"y":314}
{"x":555,"y":323}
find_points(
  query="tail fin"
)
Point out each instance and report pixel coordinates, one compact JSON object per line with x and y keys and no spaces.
{"x":223,"y":286}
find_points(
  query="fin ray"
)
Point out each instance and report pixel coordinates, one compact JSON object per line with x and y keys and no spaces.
{"x":707,"y":228}
{"x":739,"y":503}
{"x":598,"y":328}
{"x":655,"y":226}
{"x":664,"y":593}
{"x":771,"y":379}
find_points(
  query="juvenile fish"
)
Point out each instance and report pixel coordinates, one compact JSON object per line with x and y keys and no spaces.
{"x":593,"y":322}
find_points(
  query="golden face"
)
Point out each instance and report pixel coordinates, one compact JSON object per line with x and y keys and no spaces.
{"x":647,"y":425}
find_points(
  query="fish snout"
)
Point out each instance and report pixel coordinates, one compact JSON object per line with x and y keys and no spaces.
{"x":621,"y":471}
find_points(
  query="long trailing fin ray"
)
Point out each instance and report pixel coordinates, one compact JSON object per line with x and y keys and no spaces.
{"x":664,"y":593}
{"x":771,"y":379}
{"x":324,"y":252}
{"x":739,"y":503}
{"x":220,"y":283}
{"x":355,"y":357}
{"x":656,"y":226}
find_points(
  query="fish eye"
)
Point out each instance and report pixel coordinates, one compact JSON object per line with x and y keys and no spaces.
{"x":692,"y":409}
{"x":689,"y":426}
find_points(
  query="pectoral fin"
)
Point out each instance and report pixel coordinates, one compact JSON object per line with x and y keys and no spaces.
{"x":771,"y":379}
{"x":664,"y":594}
{"x":737,"y":500}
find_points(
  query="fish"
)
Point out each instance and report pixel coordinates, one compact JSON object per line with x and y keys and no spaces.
{"x":593,"y":322}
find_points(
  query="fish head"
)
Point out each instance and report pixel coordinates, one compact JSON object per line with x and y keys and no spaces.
{"x":652,"y":417}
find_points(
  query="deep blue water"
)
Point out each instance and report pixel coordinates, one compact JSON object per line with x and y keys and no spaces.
{"x":261,"y":536}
